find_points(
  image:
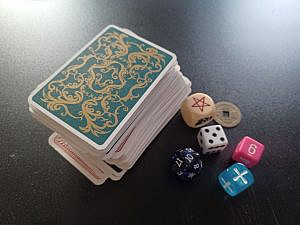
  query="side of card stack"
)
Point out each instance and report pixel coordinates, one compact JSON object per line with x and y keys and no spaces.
{"x":109,"y":101}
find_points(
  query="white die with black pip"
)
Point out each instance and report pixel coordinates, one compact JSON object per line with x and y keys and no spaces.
{"x":212,"y":139}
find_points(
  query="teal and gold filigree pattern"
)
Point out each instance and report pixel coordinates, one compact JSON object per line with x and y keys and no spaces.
{"x":95,"y":92}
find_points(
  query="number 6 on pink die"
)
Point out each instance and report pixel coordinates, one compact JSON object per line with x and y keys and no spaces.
{"x":248,"y":152}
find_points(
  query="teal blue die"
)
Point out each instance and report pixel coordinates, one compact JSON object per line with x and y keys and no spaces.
{"x":236,"y":179}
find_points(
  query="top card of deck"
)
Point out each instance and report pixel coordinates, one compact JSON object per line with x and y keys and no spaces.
{"x":97,"y":90}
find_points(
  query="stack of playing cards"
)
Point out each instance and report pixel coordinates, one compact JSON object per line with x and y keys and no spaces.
{"x":109,"y":101}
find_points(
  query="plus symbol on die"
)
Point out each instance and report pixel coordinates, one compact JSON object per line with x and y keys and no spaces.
{"x":226,"y":185}
{"x":200,"y":103}
{"x":240,"y":175}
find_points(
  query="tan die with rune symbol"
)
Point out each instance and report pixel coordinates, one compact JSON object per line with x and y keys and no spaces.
{"x":197,"y":110}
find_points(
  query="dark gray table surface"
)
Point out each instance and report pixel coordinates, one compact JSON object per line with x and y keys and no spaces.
{"x":246,"y":52}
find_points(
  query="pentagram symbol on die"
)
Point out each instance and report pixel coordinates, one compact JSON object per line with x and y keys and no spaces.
{"x":200,"y":103}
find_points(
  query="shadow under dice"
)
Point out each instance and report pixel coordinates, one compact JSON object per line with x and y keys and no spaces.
{"x":236,"y":179}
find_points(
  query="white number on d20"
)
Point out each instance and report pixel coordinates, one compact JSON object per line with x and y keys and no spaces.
{"x":189,"y":157}
{"x":178,"y":162}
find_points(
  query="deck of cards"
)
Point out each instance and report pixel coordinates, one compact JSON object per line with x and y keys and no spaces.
{"x":109,"y":101}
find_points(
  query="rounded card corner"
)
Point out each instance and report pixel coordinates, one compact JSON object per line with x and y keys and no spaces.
{"x":100,"y":147}
{"x":95,"y":142}
{"x":30,"y":99}
{"x":112,"y":26}
{"x":174,"y":57}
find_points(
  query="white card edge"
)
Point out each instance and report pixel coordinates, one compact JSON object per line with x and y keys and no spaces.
{"x":73,"y":130}
{"x":73,"y":162}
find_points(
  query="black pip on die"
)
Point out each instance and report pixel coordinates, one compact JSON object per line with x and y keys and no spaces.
{"x":212,"y":139}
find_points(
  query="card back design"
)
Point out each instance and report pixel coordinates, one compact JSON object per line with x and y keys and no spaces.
{"x":103,"y":84}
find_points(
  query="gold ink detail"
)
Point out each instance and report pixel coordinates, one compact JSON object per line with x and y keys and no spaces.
{"x":110,"y":66}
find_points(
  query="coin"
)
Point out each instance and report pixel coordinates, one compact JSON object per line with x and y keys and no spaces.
{"x":227,"y":114}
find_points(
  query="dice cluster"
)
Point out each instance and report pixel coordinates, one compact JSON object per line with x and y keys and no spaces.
{"x":186,"y":163}
{"x":238,"y":177}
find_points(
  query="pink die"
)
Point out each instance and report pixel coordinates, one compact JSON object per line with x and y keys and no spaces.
{"x":248,"y":152}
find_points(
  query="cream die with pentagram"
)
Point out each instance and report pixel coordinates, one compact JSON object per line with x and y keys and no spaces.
{"x":197,"y":110}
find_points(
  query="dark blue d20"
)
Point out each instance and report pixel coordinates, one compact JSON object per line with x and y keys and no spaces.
{"x":236,"y":179}
{"x":186,"y":163}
